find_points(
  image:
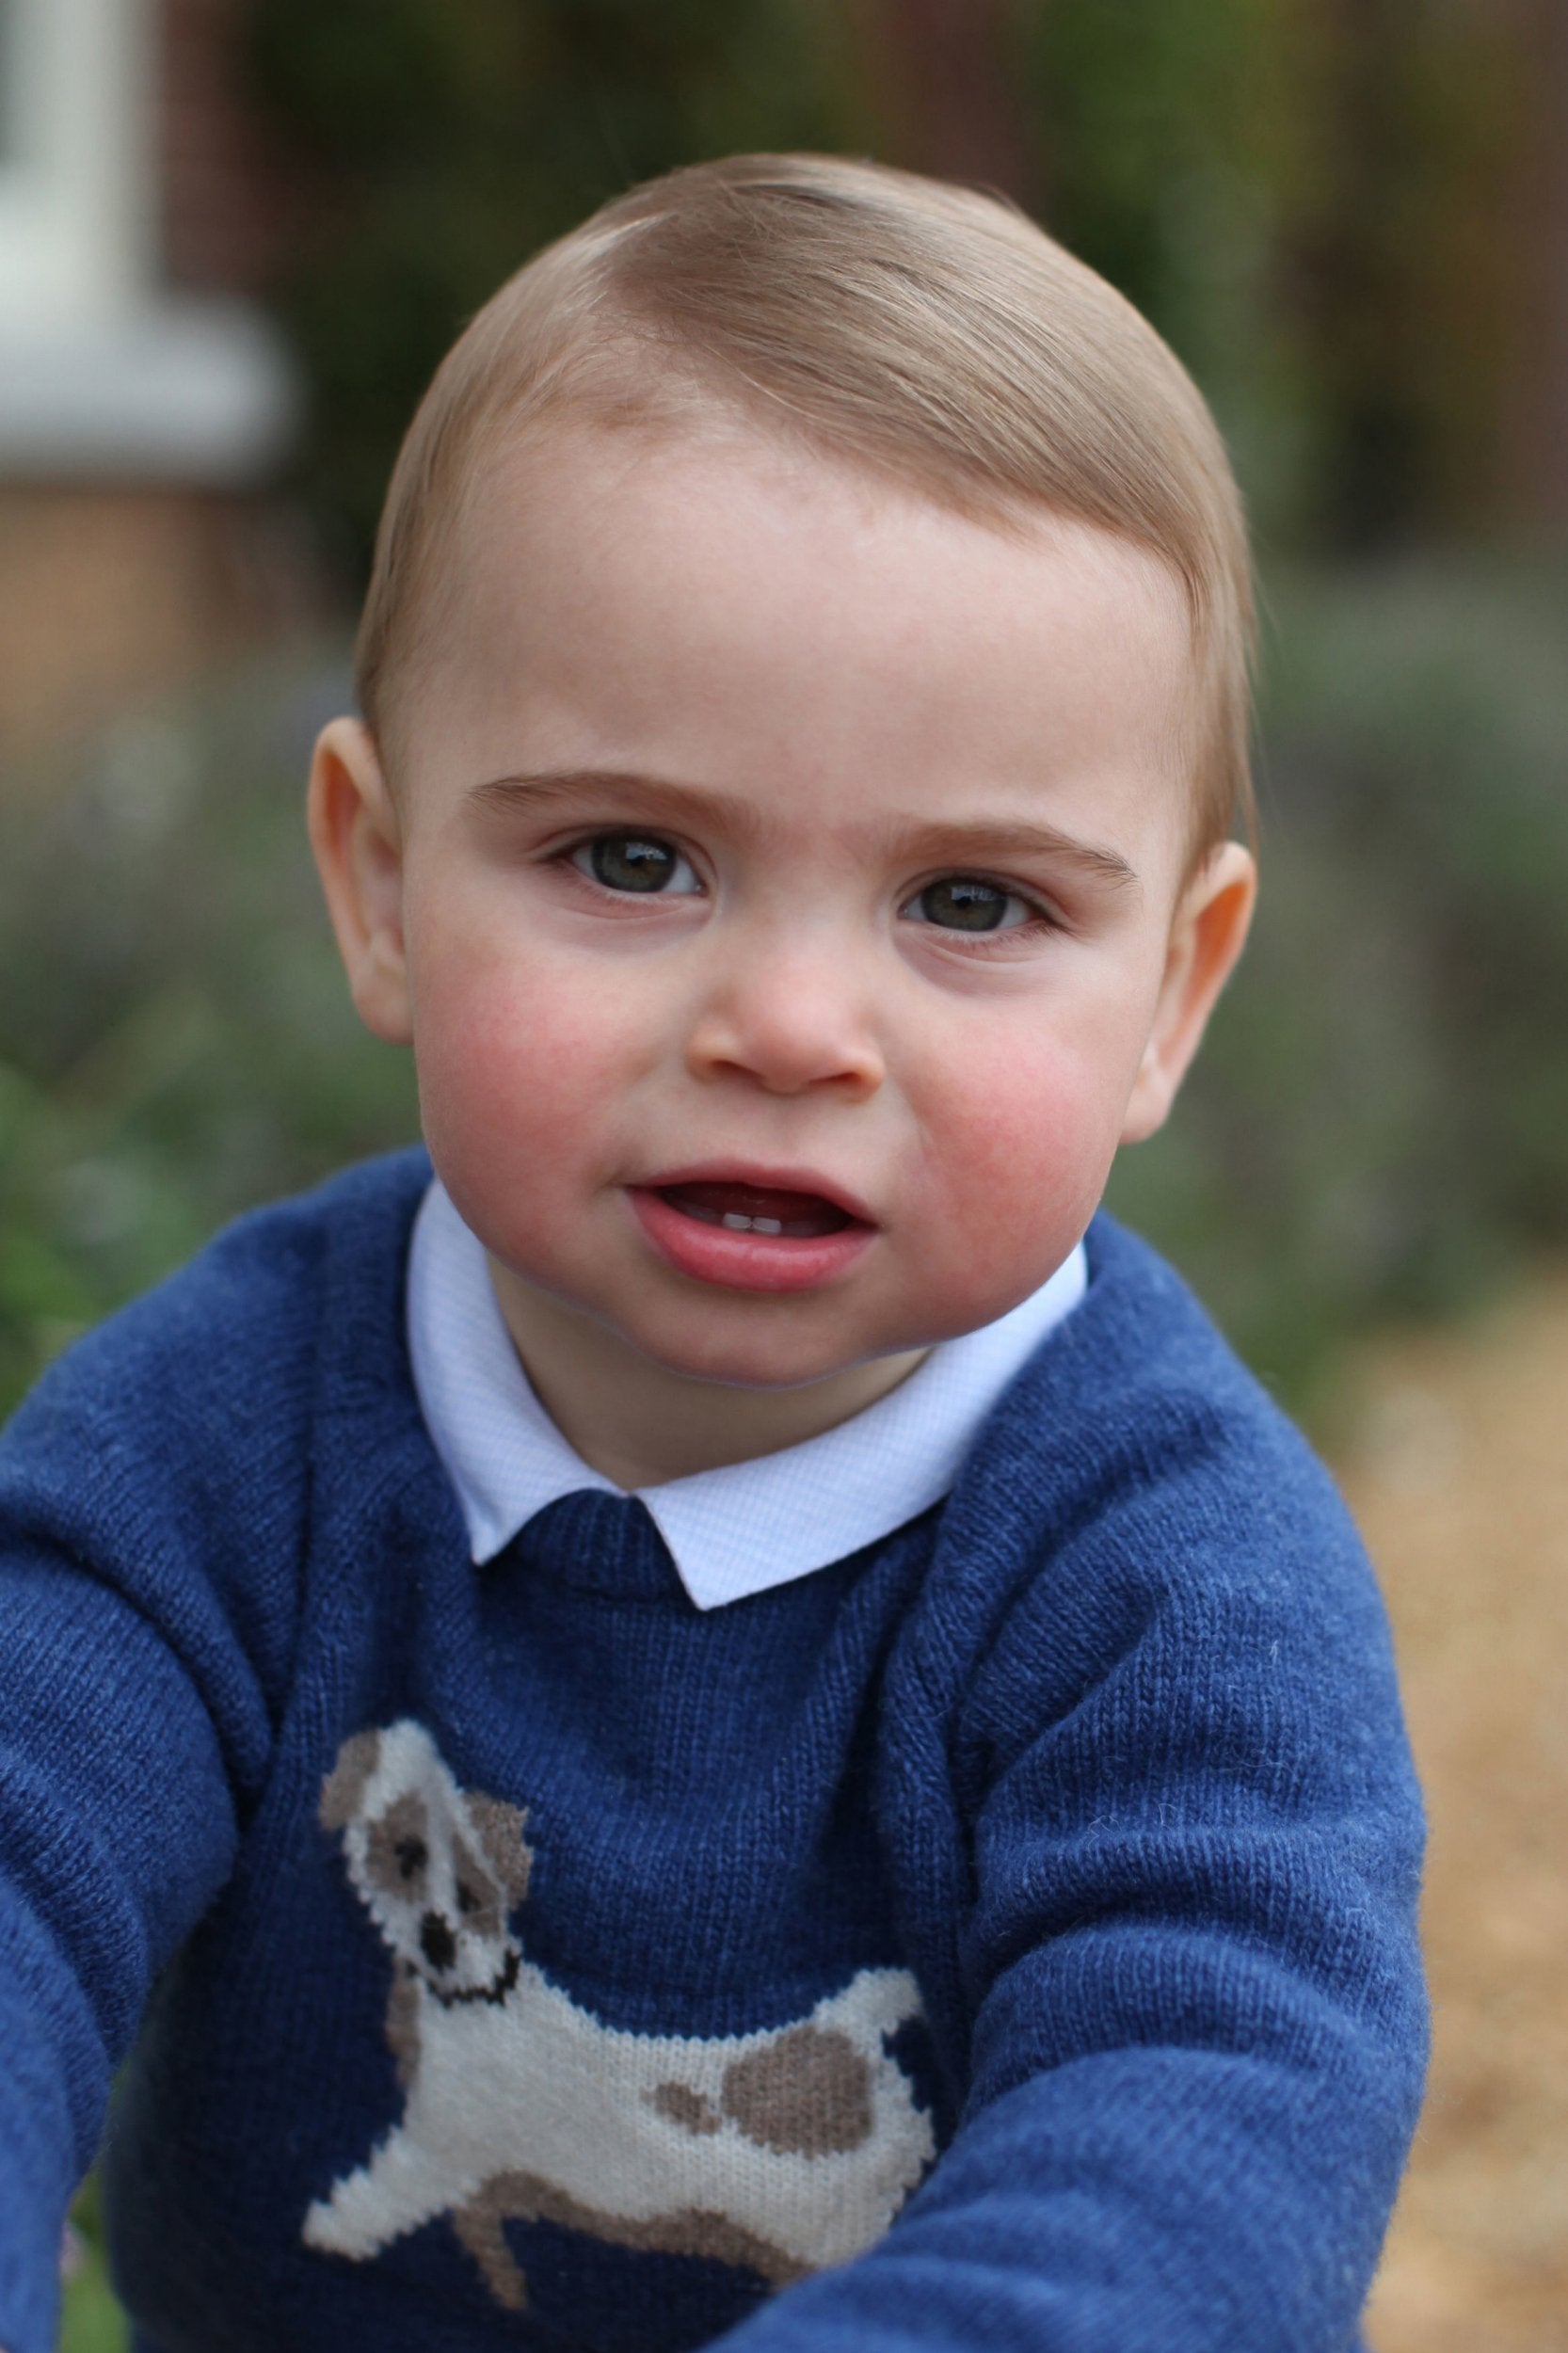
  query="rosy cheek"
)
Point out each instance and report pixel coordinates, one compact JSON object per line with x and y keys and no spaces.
{"x":1018,"y":1167}
{"x":510,"y":1073}
{"x":484,"y":1022}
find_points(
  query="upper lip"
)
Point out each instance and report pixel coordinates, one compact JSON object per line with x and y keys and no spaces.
{"x":766,"y":1179}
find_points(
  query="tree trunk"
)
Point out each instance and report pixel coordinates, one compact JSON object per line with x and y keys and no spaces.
{"x":943,"y":81}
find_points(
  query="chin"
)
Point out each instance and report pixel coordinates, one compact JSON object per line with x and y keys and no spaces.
{"x":755,"y":1359}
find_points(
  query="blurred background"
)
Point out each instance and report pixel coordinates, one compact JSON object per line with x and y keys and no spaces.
{"x":235,"y":236}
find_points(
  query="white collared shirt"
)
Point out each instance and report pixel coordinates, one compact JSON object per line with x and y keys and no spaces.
{"x":732,"y":1531}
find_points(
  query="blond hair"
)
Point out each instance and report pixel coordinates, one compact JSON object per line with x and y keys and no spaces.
{"x":927,"y":333}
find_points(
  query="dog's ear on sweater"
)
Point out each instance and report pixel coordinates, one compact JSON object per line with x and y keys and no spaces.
{"x":345,"y":1785}
{"x":499,"y":1827}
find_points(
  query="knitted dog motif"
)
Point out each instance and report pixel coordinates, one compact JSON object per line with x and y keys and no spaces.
{"x":782,"y":2150}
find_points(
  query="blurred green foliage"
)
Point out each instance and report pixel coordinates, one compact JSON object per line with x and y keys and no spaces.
{"x":1375,"y":1128}
{"x":1317,"y":207}
{"x":446,"y":140}
{"x":1322,"y":212}
{"x":175,"y":1038}
{"x":93,"y":2322}
{"x":1179,"y":159}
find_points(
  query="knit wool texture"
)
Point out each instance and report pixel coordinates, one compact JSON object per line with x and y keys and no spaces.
{"x":516,"y":1956}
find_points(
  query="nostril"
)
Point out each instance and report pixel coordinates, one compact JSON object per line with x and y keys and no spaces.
{"x":436,"y":1941}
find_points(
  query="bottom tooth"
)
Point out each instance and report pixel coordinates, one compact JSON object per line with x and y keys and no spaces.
{"x":738,"y":1223}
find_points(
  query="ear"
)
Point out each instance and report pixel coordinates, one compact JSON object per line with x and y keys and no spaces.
{"x":345,"y":1785}
{"x":357,"y":843}
{"x":507,"y":1851}
{"x":1208,"y":934}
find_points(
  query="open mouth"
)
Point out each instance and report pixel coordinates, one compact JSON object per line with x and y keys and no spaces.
{"x":743,"y":1234}
{"x":759,"y":1209}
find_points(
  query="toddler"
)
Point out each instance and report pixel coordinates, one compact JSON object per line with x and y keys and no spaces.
{"x":716,"y":1708}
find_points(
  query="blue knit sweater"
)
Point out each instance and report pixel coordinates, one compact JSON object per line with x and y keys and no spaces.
{"x":516,"y":1957}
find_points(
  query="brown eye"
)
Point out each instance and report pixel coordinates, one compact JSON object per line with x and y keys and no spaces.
{"x":962,"y":903}
{"x":412,"y":1854}
{"x":638,"y":863}
{"x":622,"y":862}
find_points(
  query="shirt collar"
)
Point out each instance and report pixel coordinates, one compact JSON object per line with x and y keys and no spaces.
{"x":734,"y":1531}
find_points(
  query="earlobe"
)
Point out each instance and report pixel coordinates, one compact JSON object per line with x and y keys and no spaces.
{"x":1207,"y":935}
{"x":357,"y":843}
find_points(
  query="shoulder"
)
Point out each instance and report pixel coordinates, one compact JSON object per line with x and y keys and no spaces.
{"x":1137,"y":1496}
{"x":1137,"y":1403}
{"x":1147,"y":1613}
{"x":213,"y":1376}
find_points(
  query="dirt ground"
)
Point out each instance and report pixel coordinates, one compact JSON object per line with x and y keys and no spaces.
{"x":1459,"y":1479}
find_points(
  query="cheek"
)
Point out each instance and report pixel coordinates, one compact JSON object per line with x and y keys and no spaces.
{"x":1018,"y":1160}
{"x":515,"y":1064}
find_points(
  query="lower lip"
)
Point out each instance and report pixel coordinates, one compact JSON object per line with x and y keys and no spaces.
{"x":745,"y":1262}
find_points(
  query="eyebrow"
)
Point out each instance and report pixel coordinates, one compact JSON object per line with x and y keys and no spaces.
{"x":1007,"y":839}
{"x":959,"y":844}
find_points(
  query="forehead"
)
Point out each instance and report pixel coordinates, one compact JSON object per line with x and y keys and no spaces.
{"x":717,"y":600}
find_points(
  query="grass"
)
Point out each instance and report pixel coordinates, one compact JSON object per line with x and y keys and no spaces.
{"x":93,"y":2321}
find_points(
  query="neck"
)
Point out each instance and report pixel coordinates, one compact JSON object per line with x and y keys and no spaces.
{"x":640,"y":1424}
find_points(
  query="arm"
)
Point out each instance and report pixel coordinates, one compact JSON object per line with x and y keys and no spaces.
{"x":117,"y":1827}
{"x":133,"y":1725}
{"x":1185,"y":1815}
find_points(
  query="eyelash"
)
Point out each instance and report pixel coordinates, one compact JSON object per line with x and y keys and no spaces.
{"x":1038,"y":916}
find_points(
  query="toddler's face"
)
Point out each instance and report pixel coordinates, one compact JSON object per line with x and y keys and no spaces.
{"x":779,"y":898}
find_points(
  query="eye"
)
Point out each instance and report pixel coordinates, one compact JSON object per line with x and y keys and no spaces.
{"x":966,"y":902}
{"x":639,"y":862}
{"x":412,"y":1854}
{"x":467,"y":1900}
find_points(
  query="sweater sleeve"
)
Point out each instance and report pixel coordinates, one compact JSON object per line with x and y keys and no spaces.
{"x":134,"y":1724}
{"x":116,"y":1829}
{"x":1192,"y":1837}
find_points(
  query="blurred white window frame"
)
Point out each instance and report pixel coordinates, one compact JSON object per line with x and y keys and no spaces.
{"x":76,"y":198}
{"x":102,"y":373}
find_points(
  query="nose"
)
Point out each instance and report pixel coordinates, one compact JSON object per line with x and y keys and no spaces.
{"x":436,"y":1941}
{"x":791,"y":1016}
